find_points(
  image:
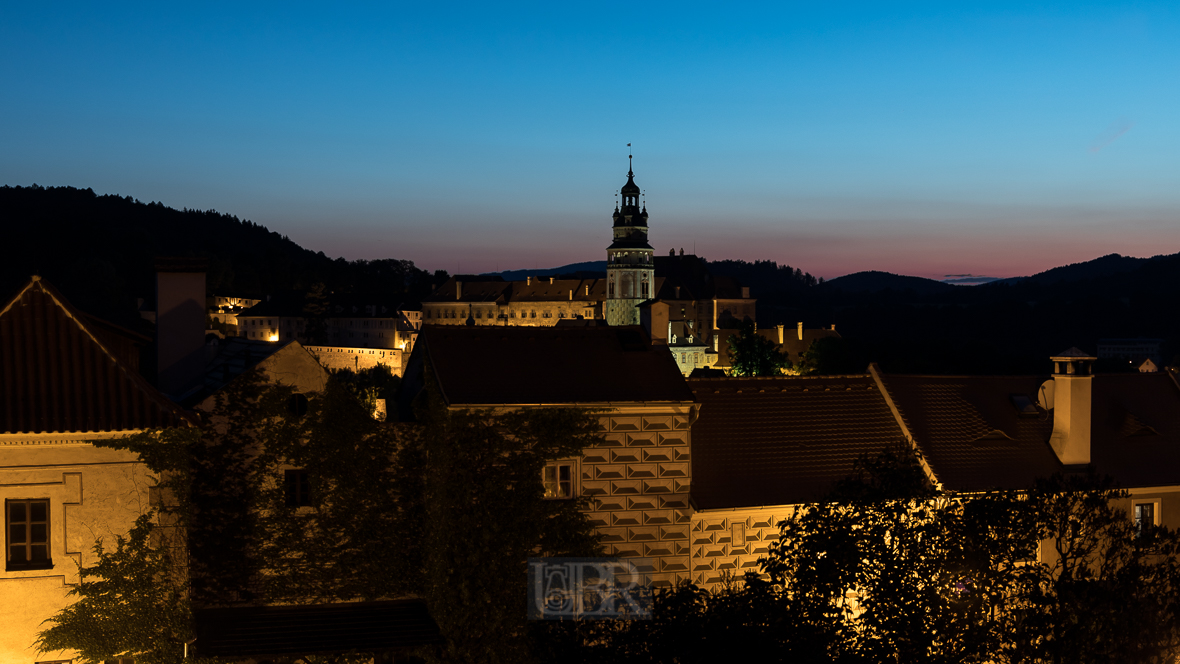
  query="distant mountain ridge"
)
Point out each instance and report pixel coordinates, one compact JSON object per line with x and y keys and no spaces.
{"x":572,"y":268}
{"x":873,"y":281}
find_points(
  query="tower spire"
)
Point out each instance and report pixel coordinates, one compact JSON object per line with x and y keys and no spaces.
{"x":629,"y":173}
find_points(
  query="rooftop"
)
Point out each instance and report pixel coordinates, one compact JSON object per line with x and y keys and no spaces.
{"x":60,"y":372}
{"x":549,"y":365}
{"x":783,"y":440}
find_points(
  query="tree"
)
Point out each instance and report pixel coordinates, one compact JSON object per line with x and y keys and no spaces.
{"x":315,"y":313}
{"x":483,"y":515}
{"x":751,"y":354}
{"x":887,"y":567}
{"x":448,"y":509}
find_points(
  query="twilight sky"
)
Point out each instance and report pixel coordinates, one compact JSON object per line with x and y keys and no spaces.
{"x":925,"y":139}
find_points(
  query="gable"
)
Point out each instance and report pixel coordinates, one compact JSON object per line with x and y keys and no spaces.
{"x":56,"y":376}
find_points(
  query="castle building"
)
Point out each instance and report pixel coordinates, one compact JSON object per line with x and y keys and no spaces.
{"x":685,"y":307}
{"x":630,"y":270}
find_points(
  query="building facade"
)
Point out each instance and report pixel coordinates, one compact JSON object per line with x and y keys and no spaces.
{"x":67,"y":384}
{"x":637,"y":481}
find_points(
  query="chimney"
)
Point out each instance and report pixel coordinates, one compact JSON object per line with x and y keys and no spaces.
{"x":571,"y":295}
{"x":180,"y":325}
{"x":800,"y":330}
{"x":1068,"y":394}
{"x":779,"y":328}
{"x":587,"y":289}
{"x":833,"y":327}
{"x":677,"y":292}
{"x":745,"y":292}
{"x":528,"y":281}
{"x":458,"y":290}
{"x":551,"y":280}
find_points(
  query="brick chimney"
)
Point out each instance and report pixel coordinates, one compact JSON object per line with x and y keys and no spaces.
{"x":1072,"y":387}
{"x":180,"y":325}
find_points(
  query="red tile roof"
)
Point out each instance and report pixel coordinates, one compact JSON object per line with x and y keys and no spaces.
{"x":783,"y":441}
{"x":974,"y":439}
{"x":549,"y":365}
{"x":58,"y":376}
{"x":955,"y":420}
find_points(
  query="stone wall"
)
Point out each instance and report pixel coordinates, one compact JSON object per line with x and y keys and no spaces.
{"x":357,"y":359}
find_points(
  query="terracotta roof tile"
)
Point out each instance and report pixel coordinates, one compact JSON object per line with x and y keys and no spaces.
{"x":538,"y":365}
{"x":57,"y":376}
{"x":974,"y":437}
{"x":782,"y":441}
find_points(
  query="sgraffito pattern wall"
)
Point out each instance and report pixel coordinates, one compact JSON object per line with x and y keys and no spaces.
{"x":638,"y":485}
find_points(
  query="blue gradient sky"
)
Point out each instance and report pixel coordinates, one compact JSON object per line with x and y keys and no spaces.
{"x":921,"y":139}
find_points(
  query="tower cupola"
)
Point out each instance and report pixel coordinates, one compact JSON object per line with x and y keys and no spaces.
{"x":630,"y":269}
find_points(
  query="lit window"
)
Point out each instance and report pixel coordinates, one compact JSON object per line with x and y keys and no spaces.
{"x":28,"y":534}
{"x":1145,"y":518}
{"x":558,"y":478}
{"x":297,"y":488}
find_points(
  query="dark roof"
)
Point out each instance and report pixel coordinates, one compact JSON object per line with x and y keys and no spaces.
{"x":554,"y":365}
{"x":315,"y":629}
{"x":536,"y":289}
{"x":57,"y":374}
{"x":974,"y":438}
{"x":696,"y":282}
{"x":783,"y":441}
{"x":1135,"y":428}
{"x":971,"y":433}
{"x":230,"y":358}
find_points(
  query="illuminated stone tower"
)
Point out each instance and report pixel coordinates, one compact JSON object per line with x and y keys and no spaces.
{"x":630,"y":270}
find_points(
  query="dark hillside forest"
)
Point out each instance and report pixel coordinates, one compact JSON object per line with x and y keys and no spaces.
{"x":913,"y":325}
{"x":99,"y":251}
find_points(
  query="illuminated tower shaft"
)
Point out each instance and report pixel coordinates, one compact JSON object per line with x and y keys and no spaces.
{"x":630,"y":270}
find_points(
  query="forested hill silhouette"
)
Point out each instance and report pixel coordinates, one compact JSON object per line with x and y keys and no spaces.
{"x":99,"y":251}
{"x":912,"y":325}
{"x":874,"y":281}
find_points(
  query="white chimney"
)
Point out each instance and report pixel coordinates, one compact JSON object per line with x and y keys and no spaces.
{"x":800,"y":330}
{"x":528,"y":281}
{"x":780,"y":328}
{"x":458,"y":290}
{"x":1071,"y":401}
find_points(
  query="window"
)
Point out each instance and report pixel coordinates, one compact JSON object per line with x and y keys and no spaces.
{"x":28,"y":534}
{"x":297,"y":487}
{"x":558,"y":478}
{"x":297,"y":405}
{"x":737,"y":534}
{"x":1146,"y":518}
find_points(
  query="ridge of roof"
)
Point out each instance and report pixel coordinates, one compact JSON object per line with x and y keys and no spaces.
{"x":76,"y":318}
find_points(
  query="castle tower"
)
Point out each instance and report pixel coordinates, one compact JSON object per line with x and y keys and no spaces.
{"x":630,"y":270}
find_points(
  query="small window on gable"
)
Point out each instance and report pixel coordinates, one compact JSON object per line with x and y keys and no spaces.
{"x":297,"y":405}
{"x":1024,"y":405}
{"x":297,"y":488}
{"x":558,"y":478}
